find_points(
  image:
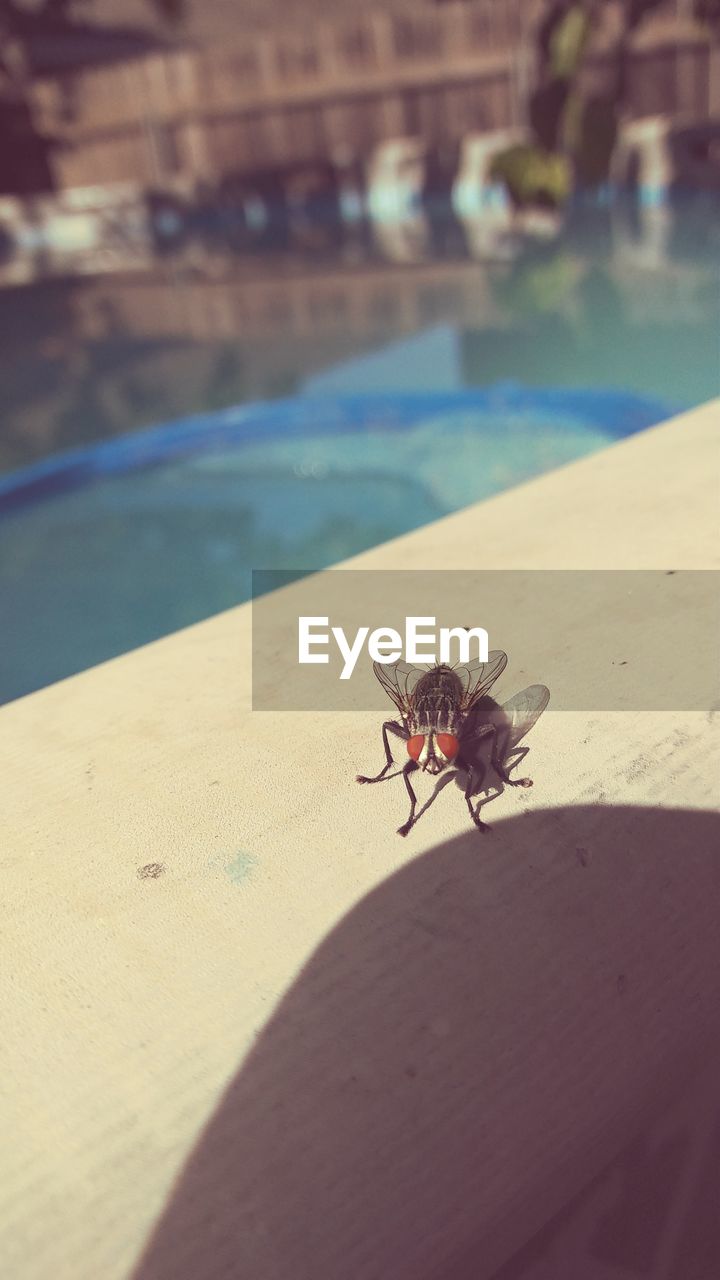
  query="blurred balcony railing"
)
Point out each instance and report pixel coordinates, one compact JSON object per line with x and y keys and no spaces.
{"x":280,"y":97}
{"x":265,"y":68}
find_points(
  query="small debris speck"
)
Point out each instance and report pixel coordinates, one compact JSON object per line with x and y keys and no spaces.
{"x":583,"y":856}
{"x":151,"y":870}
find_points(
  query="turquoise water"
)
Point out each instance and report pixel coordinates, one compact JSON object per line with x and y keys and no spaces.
{"x":136,"y":535}
{"x":113,"y":560}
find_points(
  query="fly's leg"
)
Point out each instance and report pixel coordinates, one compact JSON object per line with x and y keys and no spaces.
{"x":519,"y":753}
{"x":439,"y":786}
{"x":490,"y":731}
{"x":473,"y":784}
{"x":409,"y":767}
{"x":383,"y":777}
{"x":390,"y":726}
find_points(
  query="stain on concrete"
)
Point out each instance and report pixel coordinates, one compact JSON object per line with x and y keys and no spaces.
{"x":236,"y":867}
{"x":151,"y":870}
{"x":240,"y":867}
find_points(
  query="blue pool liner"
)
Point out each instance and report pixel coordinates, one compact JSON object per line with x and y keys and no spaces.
{"x":617,"y":413}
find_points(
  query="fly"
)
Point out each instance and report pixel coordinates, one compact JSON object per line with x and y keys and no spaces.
{"x":445,"y":713}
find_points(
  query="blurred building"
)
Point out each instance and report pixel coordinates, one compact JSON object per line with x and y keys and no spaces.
{"x":242,"y":89}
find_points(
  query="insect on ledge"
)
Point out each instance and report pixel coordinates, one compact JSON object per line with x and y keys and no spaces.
{"x":446,"y":713}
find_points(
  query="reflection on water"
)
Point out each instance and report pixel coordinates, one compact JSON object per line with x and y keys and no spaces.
{"x":626,"y":301}
{"x":627,"y":298}
{"x":135,"y":551}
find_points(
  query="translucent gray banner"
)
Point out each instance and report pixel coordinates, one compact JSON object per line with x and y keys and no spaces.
{"x":600,"y":640}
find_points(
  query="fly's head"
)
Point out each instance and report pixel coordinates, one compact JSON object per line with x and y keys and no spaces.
{"x":432,"y":750}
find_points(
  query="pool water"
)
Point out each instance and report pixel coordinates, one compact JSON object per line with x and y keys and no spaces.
{"x":121,"y":554}
{"x":499,"y":378}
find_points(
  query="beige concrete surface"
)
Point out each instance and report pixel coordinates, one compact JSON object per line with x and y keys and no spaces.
{"x":249,"y":1031}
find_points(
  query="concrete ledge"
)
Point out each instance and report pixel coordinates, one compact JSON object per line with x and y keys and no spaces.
{"x":252,"y":1032}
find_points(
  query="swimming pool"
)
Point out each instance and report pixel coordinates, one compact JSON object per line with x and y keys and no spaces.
{"x":507,"y":374}
{"x":114,"y":546}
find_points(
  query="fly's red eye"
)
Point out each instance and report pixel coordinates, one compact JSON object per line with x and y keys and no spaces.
{"x":448,"y":744}
{"x":415,"y":745}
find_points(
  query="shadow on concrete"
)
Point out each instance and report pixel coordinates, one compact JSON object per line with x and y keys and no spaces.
{"x":503,"y":1021}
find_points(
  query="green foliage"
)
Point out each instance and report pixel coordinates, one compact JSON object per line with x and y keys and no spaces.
{"x":571,"y":122}
{"x":567,"y":43}
{"x":573,"y":137}
{"x":532,"y":175}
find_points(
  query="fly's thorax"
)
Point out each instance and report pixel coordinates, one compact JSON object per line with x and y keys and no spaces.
{"x":436,"y":702}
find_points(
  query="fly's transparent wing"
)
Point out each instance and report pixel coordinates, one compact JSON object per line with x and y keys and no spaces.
{"x":398,"y":679}
{"x":477,"y":677}
{"x":520,"y":713}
